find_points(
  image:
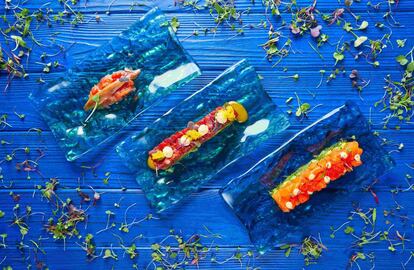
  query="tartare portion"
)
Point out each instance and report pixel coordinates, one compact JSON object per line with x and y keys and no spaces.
{"x":172,"y":149}
{"x":330,"y":165}
{"x":111,"y":89}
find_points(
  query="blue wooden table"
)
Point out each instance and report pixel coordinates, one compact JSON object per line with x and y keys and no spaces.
{"x":214,"y":52}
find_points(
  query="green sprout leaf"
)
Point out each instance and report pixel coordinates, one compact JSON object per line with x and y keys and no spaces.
{"x":19,"y":41}
{"x":410,"y":67}
{"x":401,"y":42}
{"x":349,"y":230}
{"x":363,"y":25}
{"x":175,"y":24}
{"x":338,"y":57}
{"x":402,"y":60}
{"x":302,"y":109}
{"x":358,"y":42}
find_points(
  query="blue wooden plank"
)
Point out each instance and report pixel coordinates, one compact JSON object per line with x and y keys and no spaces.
{"x":214,"y":53}
{"x":219,"y":219}
{"x":220,"y":50}
{"x":74,"y":258}
{"x":102,"y":6}
{"x":190,"y":217}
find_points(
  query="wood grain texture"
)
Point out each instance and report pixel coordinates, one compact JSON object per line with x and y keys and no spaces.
{"x":213,"y":53}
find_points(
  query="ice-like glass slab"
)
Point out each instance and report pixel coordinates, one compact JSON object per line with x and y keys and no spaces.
{"x":150,"y":45}
{"x":239,"y":83}
{"x":249,"y":193}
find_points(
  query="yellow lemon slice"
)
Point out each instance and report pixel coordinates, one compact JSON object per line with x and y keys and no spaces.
{"x":150,"y":163}
{"x":242,"y":114}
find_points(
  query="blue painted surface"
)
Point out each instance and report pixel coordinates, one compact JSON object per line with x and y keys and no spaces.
{"x":213,"y":53}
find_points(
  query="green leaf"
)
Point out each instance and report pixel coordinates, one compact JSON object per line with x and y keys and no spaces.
{"x":363,"y":25}
{"x":401,"y":42}
{"x":358,"y":42}
{"x":218,"y":8}
{"x":287,"y":252}
{"x":338,"y":57}
{"x":303,"y":108}
{"x":108,"y":212}
{"x":1,"y":214}
{"x":374,"y":215}
{"x":402,"y":60}
{"x":175,"y":24}
{"x":19,"y":41}
{"x":361,"y":256}
{"x":349,"y":230}
{"x":410,"y":67}
{"x":347,"y":27}
{"x":107,"y":253}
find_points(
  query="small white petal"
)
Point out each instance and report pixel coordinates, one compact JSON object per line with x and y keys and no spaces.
{"x":296,"y":192}
{"x":327,"y":179}
{"x":310,"y":192}
{"x":328,"y":165}
{"x":203,"y":129}
{"x":311,"y":176}
{"x":357,"y":157}
{"x":168,"y":152}
{"x":221,"y":117}
{"x":185,"y":140}
{"x":289,"y":205}
{"x":343,"y":155}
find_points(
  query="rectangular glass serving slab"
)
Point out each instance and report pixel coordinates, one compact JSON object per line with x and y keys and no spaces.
{"x":149,"y":44}
{"x":249,"y":193}
{"x":238,"y":83}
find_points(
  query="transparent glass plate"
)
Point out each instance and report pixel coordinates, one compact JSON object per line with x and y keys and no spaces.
{"x":150,"y":45}
{"x":238,"y":83}
{"x":249,"y":193}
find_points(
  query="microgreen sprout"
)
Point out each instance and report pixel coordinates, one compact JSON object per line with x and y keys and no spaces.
{"x":3,"y":237}
{"x":109,"y":214}
{"x":397,"y":97}
{"x":66,"y":225}
{"x":312,"y":249}
{"x":110,"y":254}
{"x":89,"y":247}
{"x":303,"y":108}
{"x":125,"y":226}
